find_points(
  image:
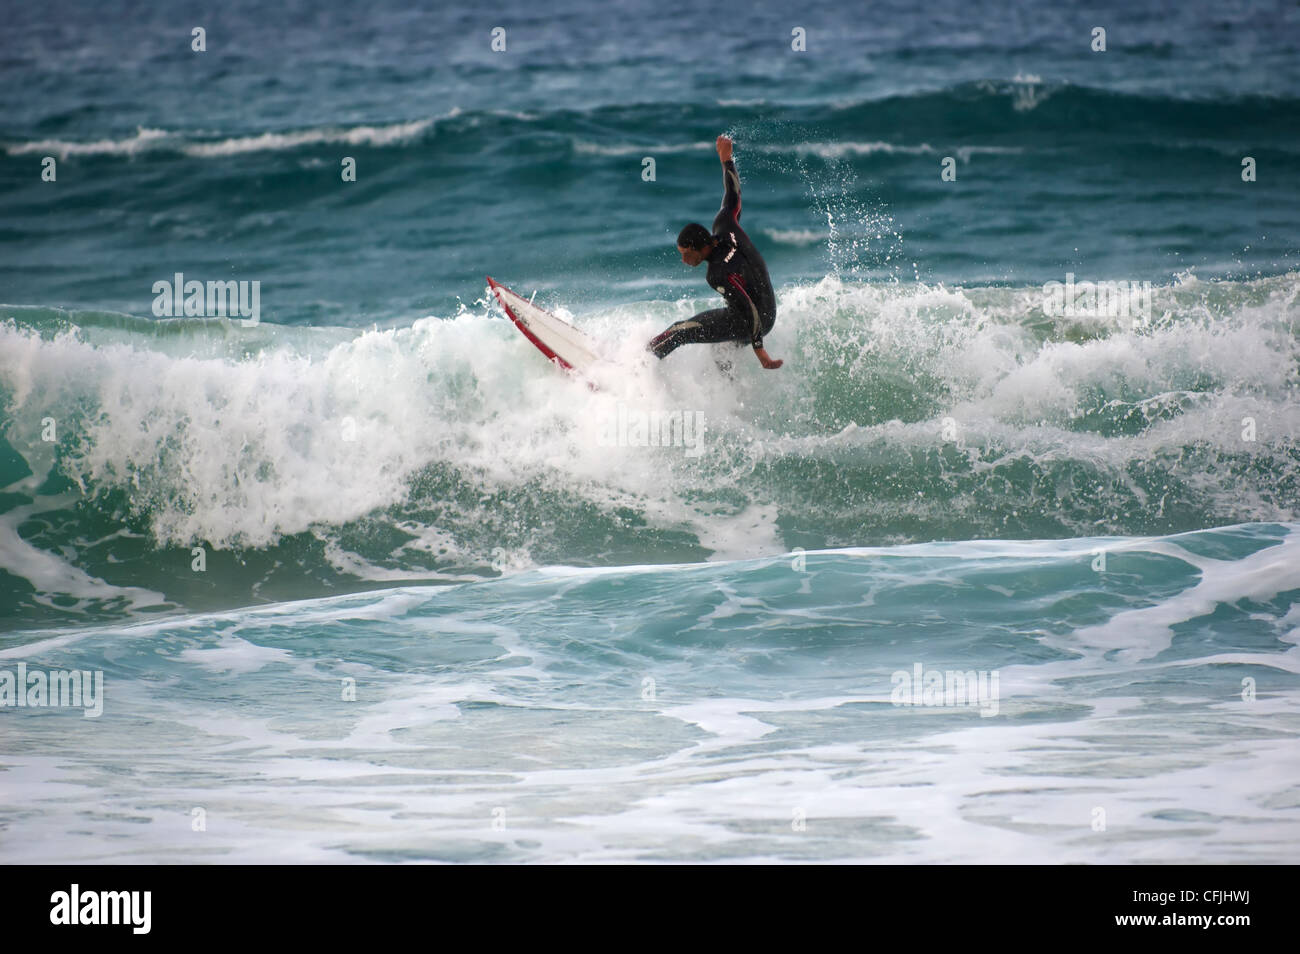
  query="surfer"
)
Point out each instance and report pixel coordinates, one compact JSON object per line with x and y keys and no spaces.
{"x":735,"y":269}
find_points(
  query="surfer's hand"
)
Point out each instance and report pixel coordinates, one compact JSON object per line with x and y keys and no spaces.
{"x":724,"y":147}
{"x":770,"y":363}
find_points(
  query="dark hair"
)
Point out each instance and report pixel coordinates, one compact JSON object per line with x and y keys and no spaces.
{"x":694,"y":236}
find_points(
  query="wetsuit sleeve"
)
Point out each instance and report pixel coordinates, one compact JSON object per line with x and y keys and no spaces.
{"x":731,"y":192}
{"x":743,"y":307}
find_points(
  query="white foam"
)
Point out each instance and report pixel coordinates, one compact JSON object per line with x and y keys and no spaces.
{"x":1144,"y":632}
{"x":392,"y":134}
{"x":227,"y":449}
{"x":146,"y":139}
{"x":50,"y":574}
{"x":235,"y":655}
{"x":583,"y":147}
{"x":143,"y":139}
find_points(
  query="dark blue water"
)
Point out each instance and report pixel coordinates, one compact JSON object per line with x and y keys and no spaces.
{"x":527,"y":163}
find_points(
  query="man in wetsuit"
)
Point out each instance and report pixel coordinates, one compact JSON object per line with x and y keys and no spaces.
{"x":735,"y":269}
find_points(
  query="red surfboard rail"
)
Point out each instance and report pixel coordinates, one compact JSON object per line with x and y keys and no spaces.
{"x":497,"y":288}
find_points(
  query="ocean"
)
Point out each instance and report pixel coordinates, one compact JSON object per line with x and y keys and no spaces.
{"x":1002,"y":565}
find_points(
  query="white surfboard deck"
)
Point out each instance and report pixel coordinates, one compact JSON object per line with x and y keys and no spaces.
{"x":553,"y":337}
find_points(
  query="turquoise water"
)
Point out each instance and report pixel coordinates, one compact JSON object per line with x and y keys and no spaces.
{"x":725,"y":711}
{"x":370,"y":581}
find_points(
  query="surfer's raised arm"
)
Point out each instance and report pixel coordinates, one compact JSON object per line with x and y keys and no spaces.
{"x":730,"y":179}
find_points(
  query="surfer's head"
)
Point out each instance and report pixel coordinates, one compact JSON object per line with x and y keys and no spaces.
{"x":693,"y":242}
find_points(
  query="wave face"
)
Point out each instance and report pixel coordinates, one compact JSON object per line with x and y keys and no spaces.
{"x":329,"y":457}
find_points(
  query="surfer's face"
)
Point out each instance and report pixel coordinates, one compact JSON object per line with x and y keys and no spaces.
{"x":691,"y":256}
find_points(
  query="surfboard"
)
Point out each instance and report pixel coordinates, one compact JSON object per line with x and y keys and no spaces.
{"x":554,"y":337}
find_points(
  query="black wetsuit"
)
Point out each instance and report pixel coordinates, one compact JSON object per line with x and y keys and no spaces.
{"x":739,"y":273}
